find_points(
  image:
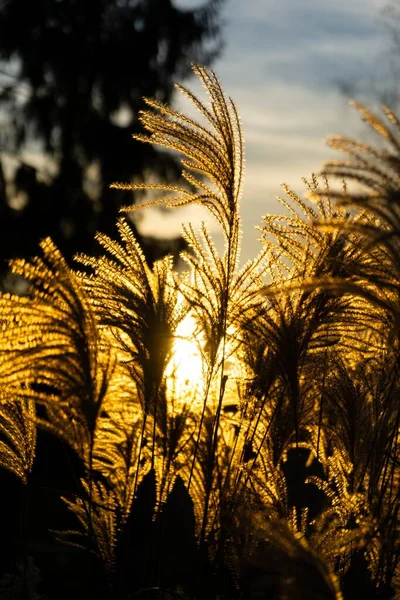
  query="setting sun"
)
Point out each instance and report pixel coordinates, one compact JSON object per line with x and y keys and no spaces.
{"x":184,"y":374}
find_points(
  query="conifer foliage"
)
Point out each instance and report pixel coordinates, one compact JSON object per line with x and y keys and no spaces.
{"x":237,"y":428}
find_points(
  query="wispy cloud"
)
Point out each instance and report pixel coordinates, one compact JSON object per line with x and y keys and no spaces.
{"x":282,"y":63}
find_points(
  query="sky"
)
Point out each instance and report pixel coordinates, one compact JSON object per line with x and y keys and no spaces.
{"x":283,"y":63}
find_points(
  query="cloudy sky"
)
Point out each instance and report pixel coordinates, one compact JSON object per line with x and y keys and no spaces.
{"x":282,"y":63}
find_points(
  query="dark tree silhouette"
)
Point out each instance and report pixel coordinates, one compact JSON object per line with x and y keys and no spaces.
{"x":379,"y":84}
{"x":73,"y":77}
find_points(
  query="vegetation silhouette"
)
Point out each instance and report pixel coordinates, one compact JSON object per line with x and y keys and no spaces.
{"x":73,"y":76}
{"x":263,"y":464}
{"x":380,"y":82}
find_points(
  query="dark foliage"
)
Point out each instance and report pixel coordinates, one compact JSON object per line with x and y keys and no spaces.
{"x":73,"y":77}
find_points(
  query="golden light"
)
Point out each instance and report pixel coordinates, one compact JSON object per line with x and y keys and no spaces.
{"x":187,"y":372}
{"x":184,"y":373}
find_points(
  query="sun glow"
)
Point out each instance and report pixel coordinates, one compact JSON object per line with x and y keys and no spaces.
{"x":185,"y":371}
